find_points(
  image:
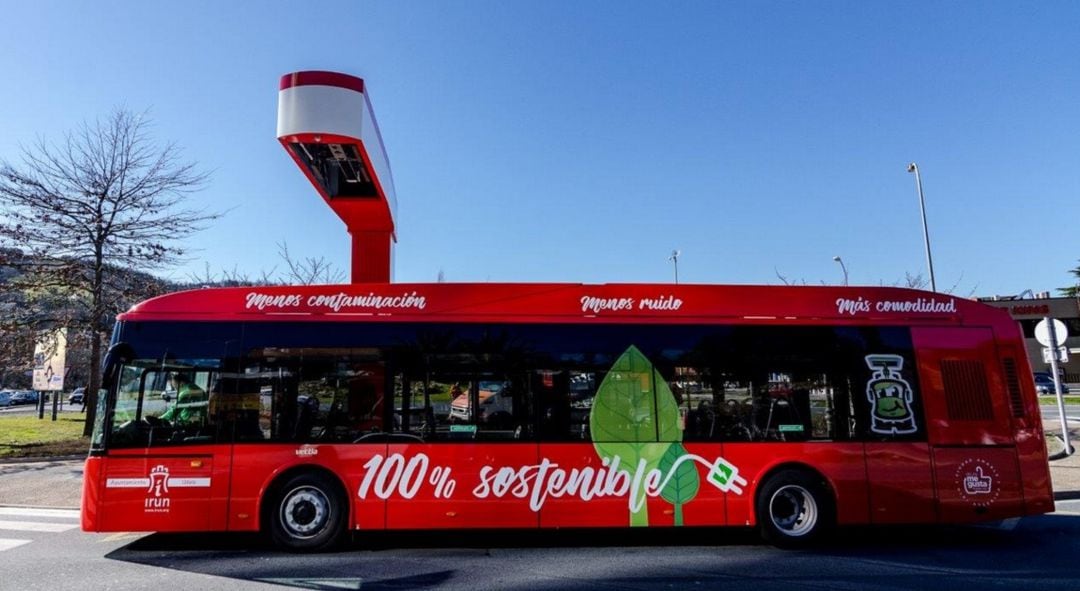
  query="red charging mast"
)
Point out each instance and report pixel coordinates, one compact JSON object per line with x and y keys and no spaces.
{"x":325,"y":122}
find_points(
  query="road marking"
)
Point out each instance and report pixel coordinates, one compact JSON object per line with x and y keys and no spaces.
{"x":36,"y":526}
{"x":337,"y":583}
{"x":6,"y":544}
{"x":121,"y":536}
{"x":34,"y":512}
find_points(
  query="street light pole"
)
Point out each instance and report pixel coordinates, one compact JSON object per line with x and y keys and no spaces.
{"x":674,"y":258}
{"x":842,"y":267}
{"x":926,"y":233}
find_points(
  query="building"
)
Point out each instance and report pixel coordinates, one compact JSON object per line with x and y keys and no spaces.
{"x":1029,"y":311}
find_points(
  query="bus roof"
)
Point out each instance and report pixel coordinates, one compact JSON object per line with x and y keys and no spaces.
{"x":554,"y":302}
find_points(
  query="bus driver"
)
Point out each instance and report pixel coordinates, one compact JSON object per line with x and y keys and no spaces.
{"x":191,"y":402}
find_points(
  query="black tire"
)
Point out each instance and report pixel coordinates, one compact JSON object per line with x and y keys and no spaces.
{"x":308,"y":514}
{"x":794,"y":508}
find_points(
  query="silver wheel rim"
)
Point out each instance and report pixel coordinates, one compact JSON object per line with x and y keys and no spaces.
{"x":305,"y":512}
{"x":793,"y":510}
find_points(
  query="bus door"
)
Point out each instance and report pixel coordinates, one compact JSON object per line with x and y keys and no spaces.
{"x":889,"y":415}
{"x":969,"y":428}
{"x":164,"y":469}
{"x":461,"y":445}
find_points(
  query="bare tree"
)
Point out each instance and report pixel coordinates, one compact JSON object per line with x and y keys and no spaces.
{"x":84,"y":214}
{"x":784,"y":279}
{"x":310,"y":270}
{"x":16,"y":344}
{"x":230,"y":278}
{"x":916,"y":281}
{"x":306,"y":271}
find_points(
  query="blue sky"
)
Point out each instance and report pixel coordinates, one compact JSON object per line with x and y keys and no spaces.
{"x":584,"y":141}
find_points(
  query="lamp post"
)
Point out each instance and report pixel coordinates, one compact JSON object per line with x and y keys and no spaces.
{"x":926,"y":234}
{"x":674,"y":258}
{"x":842,"y":267}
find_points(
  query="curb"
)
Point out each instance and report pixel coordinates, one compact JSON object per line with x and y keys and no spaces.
{"x":1053,"y":442}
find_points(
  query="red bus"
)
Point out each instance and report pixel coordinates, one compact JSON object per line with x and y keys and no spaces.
{"x":312,"y":412}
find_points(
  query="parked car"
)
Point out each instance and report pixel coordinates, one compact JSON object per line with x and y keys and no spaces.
{"x":1044,"y":383}
{"x":5,"y":398}
{"x":76,"y":396}
{"x":496,"y":405}
{"x":24,"y":397}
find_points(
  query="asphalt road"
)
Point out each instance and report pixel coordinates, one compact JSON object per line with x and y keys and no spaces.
{"x":1050,"y":412}
{"x":1031,"y":553}
{"x":27,"y":409}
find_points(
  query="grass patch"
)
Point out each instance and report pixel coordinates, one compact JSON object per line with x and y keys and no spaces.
{"x":26,"y":436}
{"x":1052,"y":400}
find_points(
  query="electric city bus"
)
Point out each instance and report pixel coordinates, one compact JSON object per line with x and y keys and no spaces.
{"x":311,"y":413}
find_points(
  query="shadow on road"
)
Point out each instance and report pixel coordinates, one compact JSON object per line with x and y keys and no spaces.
{"x":1036,"y":553}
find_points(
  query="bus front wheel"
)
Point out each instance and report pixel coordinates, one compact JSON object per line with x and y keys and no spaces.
{"x":308,"y":514}
{"x":794,"y":508}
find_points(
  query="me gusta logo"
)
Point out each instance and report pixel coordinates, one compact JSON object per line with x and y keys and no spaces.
{"x":977,"y":482}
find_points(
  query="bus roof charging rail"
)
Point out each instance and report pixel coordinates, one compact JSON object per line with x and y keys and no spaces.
{"x":326,"y":124}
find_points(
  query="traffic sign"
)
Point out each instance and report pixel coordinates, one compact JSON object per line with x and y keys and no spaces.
{"x":1042,"y":332}
{"x":1062,"y":354}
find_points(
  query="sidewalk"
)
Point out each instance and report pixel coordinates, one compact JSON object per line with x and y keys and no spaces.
{"x":49,"y":483}
{"x":1064,"y":472}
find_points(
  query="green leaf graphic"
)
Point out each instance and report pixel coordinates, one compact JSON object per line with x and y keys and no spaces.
{"x":623,"y":409}
{"x":683,"y":486}
{"x":667,"y":410}
{"x":624,"y":420}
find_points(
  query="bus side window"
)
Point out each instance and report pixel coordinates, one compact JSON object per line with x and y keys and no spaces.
{"x":307,"y":415}
{"x":563,"y":400}
{"x":410,"y":416}
{"x":551,"y":390}
{"x":503,"y":413}
{"x":235,"y":409}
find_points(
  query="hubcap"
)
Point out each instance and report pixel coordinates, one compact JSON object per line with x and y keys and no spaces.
{"x":793,"y":510}
{"x":305,"y":511}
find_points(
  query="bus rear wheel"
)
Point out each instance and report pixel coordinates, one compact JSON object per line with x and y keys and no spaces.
{"x":794,"y":508}
{"x":308,"y":514}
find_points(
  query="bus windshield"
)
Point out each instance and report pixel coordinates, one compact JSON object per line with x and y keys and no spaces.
{"x":160,"y":403}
